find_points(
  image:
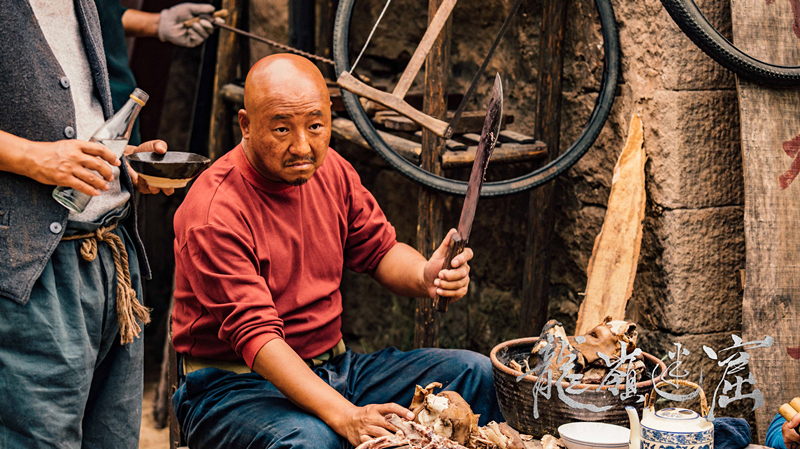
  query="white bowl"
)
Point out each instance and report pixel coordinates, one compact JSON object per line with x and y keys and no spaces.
{"x":590,"y":435}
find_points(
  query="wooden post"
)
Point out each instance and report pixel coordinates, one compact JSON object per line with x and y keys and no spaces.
{"x":536,"y":272}
{"x":770,"y":126}
{"x":220,"y":138}
{"x":429,"y":224}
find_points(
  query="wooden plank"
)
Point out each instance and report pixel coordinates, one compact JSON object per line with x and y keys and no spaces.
{"x":508,"y":153}
{"x":429,"y":220}
{"x":615,"y":255}
{"x":515,"y":137}
{"x":398,"y":123}
{"x":769,"y":122}
{"x":456,"y":146}
{"x":450,"y":144}
{"x":228,"y":54}
{"x":536,"y":271}
{"x":472,"y":138}
{"x":343,"y":128}
{"x":472,"y":121}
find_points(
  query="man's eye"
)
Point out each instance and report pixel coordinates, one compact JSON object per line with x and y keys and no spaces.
{"x":315,"y":126}
{"x":282,"y":130}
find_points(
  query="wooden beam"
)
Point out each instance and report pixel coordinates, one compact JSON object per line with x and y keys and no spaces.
{"x":429,"y":221}
{"x":770,"y":127}
{"x":536,"y":271}
{"x":220,"y":138}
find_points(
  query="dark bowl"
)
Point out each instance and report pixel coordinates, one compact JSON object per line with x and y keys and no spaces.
{"x":172,"y":169}
{"x":516,"y":398}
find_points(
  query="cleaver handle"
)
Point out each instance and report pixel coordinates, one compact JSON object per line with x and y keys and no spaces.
{"x":457,"y":245}
{"x":788,"y":411}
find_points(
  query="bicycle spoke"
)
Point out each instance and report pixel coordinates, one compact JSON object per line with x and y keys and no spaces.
{"x":385,"y":7}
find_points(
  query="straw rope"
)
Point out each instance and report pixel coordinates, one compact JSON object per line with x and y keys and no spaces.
{"x":129,"y":309}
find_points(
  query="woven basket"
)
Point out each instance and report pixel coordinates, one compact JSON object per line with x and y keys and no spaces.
{"x":516,"y":398}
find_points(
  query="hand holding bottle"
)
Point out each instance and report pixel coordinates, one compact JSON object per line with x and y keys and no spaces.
{"x":155,"y":146}
{"x":114,"y":135}
{"x":70,"y":163}
{"x":77,"y":164}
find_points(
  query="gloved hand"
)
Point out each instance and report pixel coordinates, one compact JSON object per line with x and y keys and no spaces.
{"x":171,"y":29}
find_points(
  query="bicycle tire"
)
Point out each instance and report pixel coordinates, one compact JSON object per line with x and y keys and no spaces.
{"x":694,"y":24}
{"x":597,"y":119}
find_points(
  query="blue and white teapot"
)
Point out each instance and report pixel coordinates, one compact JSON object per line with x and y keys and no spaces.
{"x":671,"y":428}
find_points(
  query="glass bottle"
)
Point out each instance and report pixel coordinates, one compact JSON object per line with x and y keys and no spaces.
{"x":114,"y":134}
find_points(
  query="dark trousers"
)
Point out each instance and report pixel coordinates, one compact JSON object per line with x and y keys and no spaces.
{"x":65,"y":380}
{"x":220,"y":409}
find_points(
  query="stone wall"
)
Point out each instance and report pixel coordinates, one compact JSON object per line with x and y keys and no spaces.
{"x":693,"y":245}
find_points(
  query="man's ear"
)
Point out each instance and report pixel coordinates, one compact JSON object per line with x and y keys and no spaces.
{"x":244,"y":123}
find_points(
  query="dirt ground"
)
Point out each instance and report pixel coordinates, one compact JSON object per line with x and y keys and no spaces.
{"x":150,"y":437}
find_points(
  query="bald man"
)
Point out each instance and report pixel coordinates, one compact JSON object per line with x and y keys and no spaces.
{"x":261,"y":241}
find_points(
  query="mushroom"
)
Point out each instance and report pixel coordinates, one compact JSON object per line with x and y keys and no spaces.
{"x":447,"y":413}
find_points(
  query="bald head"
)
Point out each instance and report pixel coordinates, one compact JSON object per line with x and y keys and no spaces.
{"x":282,"y":73}
{"x":286,"y":120}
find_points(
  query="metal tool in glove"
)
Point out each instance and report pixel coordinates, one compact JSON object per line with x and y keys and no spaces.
{"x":224,"y":13}
{"x":489,"y":134}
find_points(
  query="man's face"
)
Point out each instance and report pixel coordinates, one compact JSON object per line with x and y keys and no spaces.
{"x":286,"y":132}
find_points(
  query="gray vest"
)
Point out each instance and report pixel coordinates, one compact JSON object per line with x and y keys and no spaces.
{"x":35,"y":103}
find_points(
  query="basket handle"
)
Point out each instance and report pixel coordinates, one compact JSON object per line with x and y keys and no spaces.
{"x":685,"y":383}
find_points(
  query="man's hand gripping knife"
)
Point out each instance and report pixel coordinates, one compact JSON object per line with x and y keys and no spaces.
{"x":405,"y":272}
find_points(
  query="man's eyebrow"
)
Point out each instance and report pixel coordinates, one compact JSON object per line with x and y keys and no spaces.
{"x":317,"y":113}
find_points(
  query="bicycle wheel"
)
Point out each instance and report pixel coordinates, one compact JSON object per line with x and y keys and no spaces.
{"x":597,"y":119}
{"x":695,"y":25}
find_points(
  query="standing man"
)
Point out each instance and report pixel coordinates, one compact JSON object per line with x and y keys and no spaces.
{"x":261,"y":241}
{"x":69,"y":376}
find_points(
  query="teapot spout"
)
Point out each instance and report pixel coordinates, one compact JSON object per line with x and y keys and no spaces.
{"x":636,"y":438}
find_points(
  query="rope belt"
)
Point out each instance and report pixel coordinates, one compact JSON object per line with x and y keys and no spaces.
{"x":129,"y":309}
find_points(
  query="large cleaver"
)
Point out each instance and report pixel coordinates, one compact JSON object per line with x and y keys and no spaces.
{"x":491,"y":129}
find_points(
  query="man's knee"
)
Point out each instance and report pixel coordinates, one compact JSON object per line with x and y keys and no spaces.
{"x":310,"y":433}
{"x":470,"y":363}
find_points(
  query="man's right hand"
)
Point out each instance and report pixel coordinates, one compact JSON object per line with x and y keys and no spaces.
{"x":69,"y":163}
{"x":362,"y":424}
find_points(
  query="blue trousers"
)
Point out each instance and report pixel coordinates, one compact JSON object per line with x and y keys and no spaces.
{"x":221,"y":409}
{"x":65,"y":380}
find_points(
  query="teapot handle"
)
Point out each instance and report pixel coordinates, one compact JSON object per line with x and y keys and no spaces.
{"x":686,"y":383}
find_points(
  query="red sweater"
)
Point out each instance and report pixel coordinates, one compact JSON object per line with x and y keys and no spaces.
{"x":257,"y":260}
